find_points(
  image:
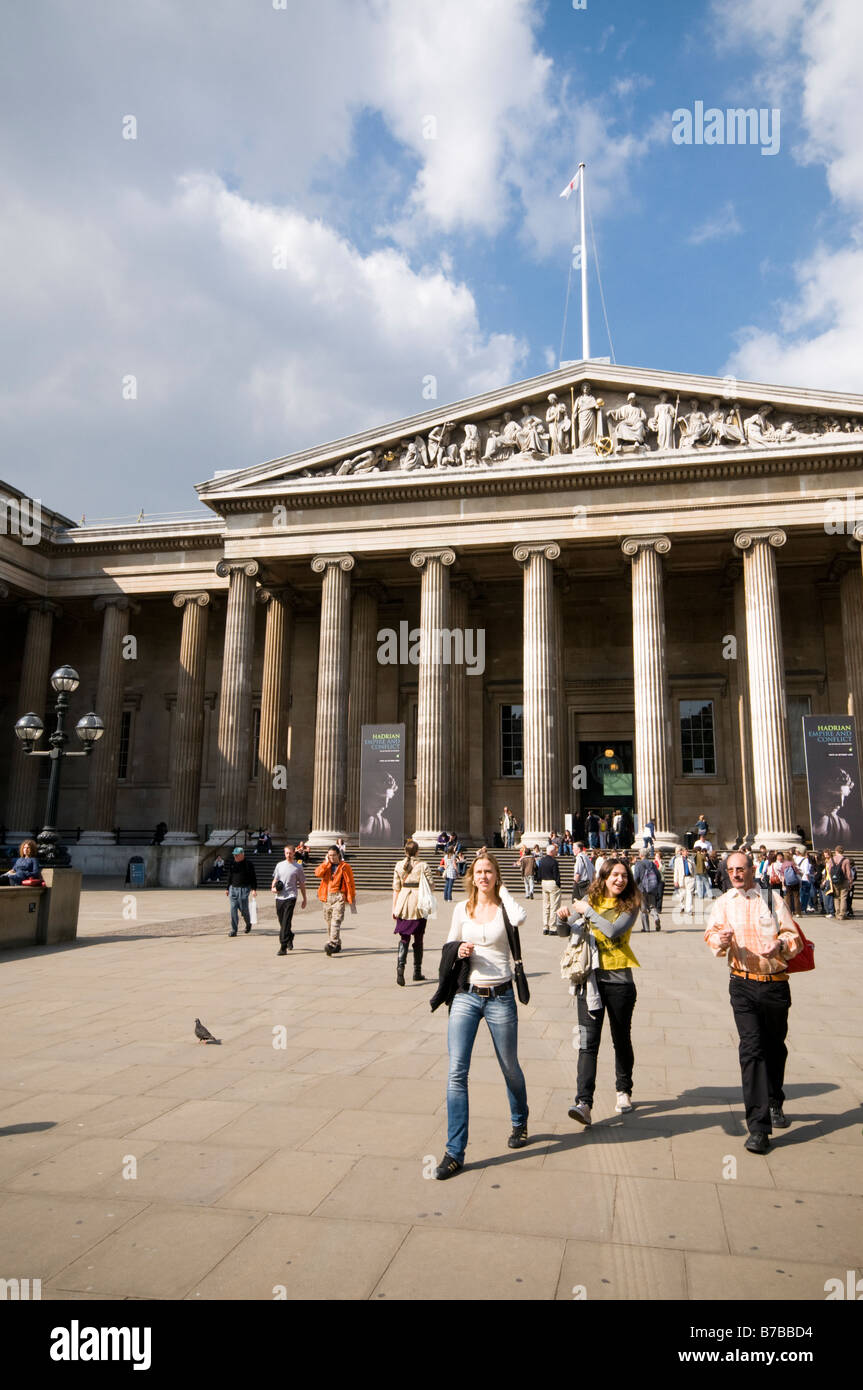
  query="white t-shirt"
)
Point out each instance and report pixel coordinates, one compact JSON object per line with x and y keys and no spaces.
{"x":289,"y":877}
{"x":491,"y":962}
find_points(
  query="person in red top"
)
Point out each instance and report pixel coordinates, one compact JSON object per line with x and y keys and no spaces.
{"x":336,"y":890}
{"x":757,"y":941}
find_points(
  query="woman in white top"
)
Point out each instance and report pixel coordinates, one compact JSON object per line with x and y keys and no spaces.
{"x":478,"y":924}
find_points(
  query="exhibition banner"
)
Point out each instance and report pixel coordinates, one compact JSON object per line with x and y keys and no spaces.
{"x":382,"y":785}
{"x":833,"y":777}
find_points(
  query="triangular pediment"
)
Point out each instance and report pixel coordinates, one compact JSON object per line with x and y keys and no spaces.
{"x":582,"y":412}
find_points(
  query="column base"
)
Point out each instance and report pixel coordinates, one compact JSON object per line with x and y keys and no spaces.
{"x":777,"y":839}
{"x":323,"y":839}
{"x":532,"y":837}
{"x":227,"y":837}
{"x":181,"y":837}
{"x":97,"y":837}
{"x":663,"y":839}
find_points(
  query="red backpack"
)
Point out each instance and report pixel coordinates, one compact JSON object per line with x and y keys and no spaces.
{"x":805,"y":959}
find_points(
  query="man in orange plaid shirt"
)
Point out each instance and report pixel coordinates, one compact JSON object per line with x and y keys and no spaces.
{"x":757,"y":942}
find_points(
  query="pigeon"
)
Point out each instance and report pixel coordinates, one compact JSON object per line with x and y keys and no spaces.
{"x":203,"y":1034}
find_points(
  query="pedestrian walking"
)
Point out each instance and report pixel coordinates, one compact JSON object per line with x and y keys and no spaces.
{"x":841,"y":878}
{"x":758,"y":942}
{"x":242,"y":886}
{"x":479,"y":929}
{"x":607,"y":916}
{"x":508,"y":824}
{"x":449,"y":869}
{"x":548,"y":873}
{"x":648,"y":882}
{"x":408,"y":876}
{"x":336,"y":891}
{"x":289,"y":879}
{"x":684,"y":878}
{"x":791,"y":884}
{"x":528,"y":871}
{"x":583,"y":872}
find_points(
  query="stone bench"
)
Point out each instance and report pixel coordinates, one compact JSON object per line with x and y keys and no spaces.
{"x":41,"y":916}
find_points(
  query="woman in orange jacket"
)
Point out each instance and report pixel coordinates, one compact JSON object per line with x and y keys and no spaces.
{"x":336,"y":890}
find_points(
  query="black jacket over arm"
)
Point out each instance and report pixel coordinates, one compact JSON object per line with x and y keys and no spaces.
{"x":452,"y":976}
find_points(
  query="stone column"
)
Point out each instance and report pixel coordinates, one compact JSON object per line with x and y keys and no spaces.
{"x":102,"y":789}
{"x":362,"y":694}
{"x":22,"y":808}
{"x":562,"y":779}
{"x":189,"y":727}
{"x":433,"y":724}
{"x":271,"y":806}
{"x":653,"y":738}
{"x":539,"y":696}
{"x":851,"y":603}
{"x":771,"y":761}
{"x":459,"y":753}
{"x":741,"y":711}
{"x":329,"y":800}
{"x":235,"y":699}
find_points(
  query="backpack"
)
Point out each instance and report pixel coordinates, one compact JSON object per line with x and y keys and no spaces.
{"x":650,"y":879}
{"x":791,"y":876}
{"x":837,"y":877}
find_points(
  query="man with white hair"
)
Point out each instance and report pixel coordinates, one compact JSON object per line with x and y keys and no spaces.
{"x":548,"y":873}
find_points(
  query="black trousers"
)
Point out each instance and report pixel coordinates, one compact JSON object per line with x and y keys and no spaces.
{"x":618,"y":1001}
{"x":761,"y":1015}
{"x":285,"y":912}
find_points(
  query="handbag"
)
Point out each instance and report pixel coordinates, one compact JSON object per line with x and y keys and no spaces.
{"x":522,"y":988}
{"x":805,"y":959}
{"x":426,"y":902}
{"x":575,"y":961}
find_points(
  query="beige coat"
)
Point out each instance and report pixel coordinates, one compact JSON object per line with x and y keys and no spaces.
{"x":406,"y":882}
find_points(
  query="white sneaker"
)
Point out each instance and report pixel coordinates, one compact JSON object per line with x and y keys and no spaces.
{"x":580,"y":1112}
{"x":624,"y":1103}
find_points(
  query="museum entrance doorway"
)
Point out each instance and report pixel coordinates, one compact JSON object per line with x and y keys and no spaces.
{"x":609,"y":775}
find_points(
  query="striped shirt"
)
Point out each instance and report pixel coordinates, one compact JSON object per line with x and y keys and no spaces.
{"x":756,"y":930}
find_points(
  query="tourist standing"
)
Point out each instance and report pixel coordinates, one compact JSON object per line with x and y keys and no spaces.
{"x":840,"y":877}
{"x":528,"y":871}
{"x":478,"y":925}
{"x":582,"y":872}
{"x":684,"y":878}
{"x":289,"y":879}
{"x":336,"y":891}
{"x":242,"y":885}
{"x":758,"y":941}
{"x":508,"y":827}
{"x":648,"y":882}
{"x":410,"y":927}
{"x":609,"y":913}
{"x":548,"y":873}
{"x":449,"y":869}
{"x":591,"y":826}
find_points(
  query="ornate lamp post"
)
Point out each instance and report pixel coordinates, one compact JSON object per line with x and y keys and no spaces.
{"x":29,"y":729}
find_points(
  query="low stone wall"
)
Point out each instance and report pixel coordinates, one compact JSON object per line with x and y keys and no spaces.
{"x":41,"y":916}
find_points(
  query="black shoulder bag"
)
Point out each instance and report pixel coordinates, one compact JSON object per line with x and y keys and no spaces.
{"x":522,"y":988}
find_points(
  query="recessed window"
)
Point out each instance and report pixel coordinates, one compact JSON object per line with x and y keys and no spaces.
{"x":125,"y":741}
{"x":512,"y":740}
{"x":698,"y":747}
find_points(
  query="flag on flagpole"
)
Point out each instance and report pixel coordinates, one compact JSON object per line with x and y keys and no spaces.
{"x":571,"y":186}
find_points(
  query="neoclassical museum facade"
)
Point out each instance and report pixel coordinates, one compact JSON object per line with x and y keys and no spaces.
{"x":605,"y":586}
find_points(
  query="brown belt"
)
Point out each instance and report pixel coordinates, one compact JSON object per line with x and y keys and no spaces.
{"x":762,"y":979}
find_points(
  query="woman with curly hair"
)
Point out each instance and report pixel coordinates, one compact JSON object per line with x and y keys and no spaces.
{"x":608,"y":914}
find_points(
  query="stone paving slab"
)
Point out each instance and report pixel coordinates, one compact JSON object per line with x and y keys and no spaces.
{"x":298,"y":1153}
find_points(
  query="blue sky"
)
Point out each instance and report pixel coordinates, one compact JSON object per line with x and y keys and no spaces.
{"x":283,"y":255}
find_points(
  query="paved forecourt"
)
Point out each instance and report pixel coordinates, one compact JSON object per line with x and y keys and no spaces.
{"x":293,"y":1160}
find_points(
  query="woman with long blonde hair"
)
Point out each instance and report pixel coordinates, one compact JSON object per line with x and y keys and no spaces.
{"x":479,"y":925}
{"x":410,"y":926}
{"x":609,"y":913}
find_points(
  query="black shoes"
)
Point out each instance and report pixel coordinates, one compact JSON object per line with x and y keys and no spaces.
{"x":778,"y":1118}
{"x":282,"y":951}
{"x":400,"y":974}
{"x":328,"y":948}
{"x":758,"y":1143}
{"x":448,"y":1167}
{"x":518,"y":1138}
{"x":248,"y":929}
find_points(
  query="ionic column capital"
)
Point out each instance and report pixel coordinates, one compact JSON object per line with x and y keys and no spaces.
{"x":775,"y":537}
{"x":285,"y":592}
{"x":225,"y":568}
{"x":633,"y":545}
{"x":201,"y":598}
{"x":858,"y":533}
{"x":321,"y":563}
{"x":549,"y":549}
{"x":121,"y":601}
{"x":419,"y":557}
{"x":37,"y":605}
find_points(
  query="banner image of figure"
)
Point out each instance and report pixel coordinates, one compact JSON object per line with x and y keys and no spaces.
{"x":382,"y":782}
{"x":833,"y":777}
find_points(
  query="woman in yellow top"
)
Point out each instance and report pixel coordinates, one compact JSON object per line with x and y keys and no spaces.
{"x":608,"y":913}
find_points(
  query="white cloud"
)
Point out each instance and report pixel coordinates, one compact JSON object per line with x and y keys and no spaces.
{"x":724,"y":224}
{"x":819,"y":341}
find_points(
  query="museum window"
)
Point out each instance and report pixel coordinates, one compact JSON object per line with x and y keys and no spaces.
{"x":798,"y":706}
{"x":697,"y":744}
{"x":125,"y":742}
{"x":512,"y":740}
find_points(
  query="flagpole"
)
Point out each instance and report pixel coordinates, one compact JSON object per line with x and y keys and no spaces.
{"x":585,"y":326}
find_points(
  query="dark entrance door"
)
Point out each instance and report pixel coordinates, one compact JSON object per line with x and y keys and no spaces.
{"x":610,"y":781}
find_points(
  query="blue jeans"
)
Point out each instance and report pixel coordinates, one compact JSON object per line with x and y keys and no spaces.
{"x":447,"y":890}
{"x":805,"y":893}
{"x":501,"y":1015}
{"x":239,"y":900}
